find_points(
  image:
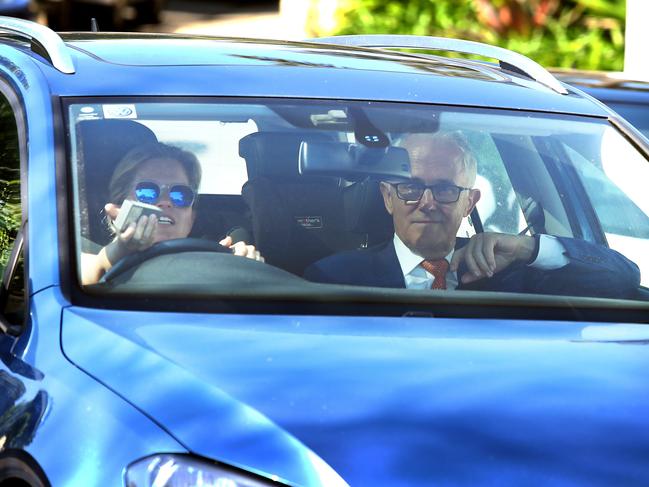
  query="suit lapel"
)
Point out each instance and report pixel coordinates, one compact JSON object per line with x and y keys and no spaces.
{"x":387,"y":269}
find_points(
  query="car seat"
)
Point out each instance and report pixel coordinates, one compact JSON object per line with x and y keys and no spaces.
{"x":296,"y":219}
{"x":365,"y":212}
{"x":101,"y":144}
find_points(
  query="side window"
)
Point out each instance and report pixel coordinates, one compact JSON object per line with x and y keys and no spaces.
{"x":614,"y":177}
{"x":12,"y":296}
{"x":498,"y":207}
{"x":617,"y":213}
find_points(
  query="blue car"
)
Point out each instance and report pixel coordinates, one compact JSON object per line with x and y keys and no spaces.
{"x":221,"y":266}
{"x":627,"y":97}
{"x":16,"y":8}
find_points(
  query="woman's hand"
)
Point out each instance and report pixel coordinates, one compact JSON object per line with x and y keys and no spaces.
{"x":242,"y":249}
{"x":136,"y":237}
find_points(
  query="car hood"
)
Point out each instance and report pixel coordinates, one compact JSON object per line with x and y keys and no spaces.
{"x":383,"y":401}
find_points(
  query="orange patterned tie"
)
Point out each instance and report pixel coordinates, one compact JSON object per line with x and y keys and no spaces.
{"x":438,"y":268}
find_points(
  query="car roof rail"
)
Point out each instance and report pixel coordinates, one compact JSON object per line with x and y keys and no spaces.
{"x":44,"y":41}
{"x":509,"y":60}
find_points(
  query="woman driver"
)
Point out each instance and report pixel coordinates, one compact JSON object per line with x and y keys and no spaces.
{"x":162,"y":175}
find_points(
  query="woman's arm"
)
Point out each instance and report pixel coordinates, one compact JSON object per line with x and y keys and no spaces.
{"x":137,"y":236}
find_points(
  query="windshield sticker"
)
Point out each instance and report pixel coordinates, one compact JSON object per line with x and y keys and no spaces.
{"x":88,"y":112}
{"x":309,"y":222}
{"x":119,"y":111}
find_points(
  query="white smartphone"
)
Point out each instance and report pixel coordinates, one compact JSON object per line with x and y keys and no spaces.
{"x":131,"y":211}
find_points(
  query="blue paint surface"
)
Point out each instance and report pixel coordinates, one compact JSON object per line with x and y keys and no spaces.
{"x":393,"y":401}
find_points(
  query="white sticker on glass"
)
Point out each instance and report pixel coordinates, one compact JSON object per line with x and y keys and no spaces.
{"x":119,"y":111}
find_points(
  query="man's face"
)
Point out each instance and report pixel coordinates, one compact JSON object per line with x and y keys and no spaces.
{"x":427,"y":227}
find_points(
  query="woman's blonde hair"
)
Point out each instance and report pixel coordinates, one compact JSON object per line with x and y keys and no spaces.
{"x":121,"y":182}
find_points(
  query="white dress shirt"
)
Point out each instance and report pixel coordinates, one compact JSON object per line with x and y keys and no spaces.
{"x":550,"y":256}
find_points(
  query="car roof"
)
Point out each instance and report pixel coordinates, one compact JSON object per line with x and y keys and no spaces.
{"x":106,"y":64}
{"x":607,"y":86}
{"x":601,"y":79}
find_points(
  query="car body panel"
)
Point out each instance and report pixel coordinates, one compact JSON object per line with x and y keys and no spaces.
{"x":40,"y":202}
{"x":16,"y":8}
{"x":97,"y":433}
{"x":315,"y":77}
{"x":209,"y":420}
{"x":424,"y":401}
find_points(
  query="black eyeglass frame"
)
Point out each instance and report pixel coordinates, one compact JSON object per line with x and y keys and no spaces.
{"x":433,"y":191}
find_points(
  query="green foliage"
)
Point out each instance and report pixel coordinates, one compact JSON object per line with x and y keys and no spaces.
{"x":10,"y":211}
{"x":584,"y":34}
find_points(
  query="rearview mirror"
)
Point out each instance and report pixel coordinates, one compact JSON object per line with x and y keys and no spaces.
{"x":353,"y":161}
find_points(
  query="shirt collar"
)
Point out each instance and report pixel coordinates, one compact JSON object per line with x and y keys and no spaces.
{"x":408,"y":260}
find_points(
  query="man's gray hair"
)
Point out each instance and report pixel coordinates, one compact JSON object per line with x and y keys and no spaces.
{"x":455,"y":138}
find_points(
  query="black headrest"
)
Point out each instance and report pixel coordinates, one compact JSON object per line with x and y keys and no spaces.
{"x":105,"y":142}
{"x":275,"y":154}
{"x":365,"y":211}
{"x":102,"y":144}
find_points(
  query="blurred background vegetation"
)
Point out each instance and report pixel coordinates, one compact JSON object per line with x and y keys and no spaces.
{"x":10,"y":219}
{"x":584,"y":34}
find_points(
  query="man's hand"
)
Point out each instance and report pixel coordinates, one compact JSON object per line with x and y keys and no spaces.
{"x":241,"y":249}
{"x":489,"y":253}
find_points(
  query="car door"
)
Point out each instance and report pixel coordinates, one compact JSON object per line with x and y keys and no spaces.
{"x":22,"y":402}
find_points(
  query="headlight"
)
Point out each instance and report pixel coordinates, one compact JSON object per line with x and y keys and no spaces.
{"x":173,"y":470}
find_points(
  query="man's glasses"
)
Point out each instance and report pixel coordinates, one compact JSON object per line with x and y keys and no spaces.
{"x":442,"y":192}
{"x":180,"y":195}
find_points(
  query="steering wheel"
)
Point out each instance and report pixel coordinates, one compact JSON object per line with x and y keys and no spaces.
{"x":174,"y":246}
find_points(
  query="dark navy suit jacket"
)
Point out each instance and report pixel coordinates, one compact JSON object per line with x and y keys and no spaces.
{"x":592,"y":270}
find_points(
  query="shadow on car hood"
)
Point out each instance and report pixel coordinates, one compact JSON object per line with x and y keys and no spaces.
{"x":383,"y":401}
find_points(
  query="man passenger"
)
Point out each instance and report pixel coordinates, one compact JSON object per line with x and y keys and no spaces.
{"x":426,"y":254}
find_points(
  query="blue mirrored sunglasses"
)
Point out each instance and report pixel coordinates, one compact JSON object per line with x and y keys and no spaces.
{"x":180,"y":195}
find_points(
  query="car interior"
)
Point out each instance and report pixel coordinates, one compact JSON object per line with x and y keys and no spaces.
{"x":312,"y":172}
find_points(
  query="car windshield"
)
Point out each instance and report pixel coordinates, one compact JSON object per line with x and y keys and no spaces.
{"x":318,"y":186}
